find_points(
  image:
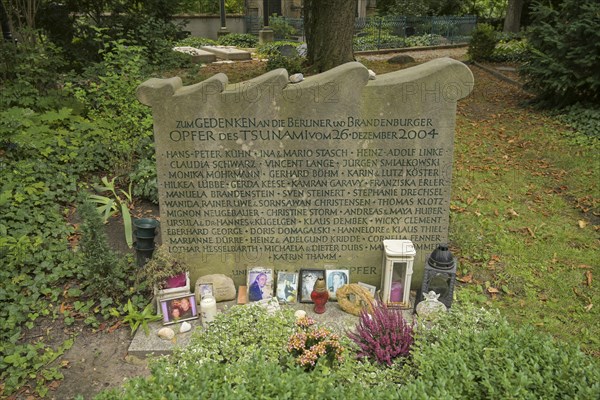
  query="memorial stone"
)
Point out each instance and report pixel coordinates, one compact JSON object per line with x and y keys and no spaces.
{"x":304,"y":175}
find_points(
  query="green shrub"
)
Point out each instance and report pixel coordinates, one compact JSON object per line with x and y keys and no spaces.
{"x":563,"y":66}
{"x":585,"y":119}
{"x":428,"y":39}
{"x":375,"y":42}
{"x":195,"y":41}
{"x":144,"y":180}
{"x":483,"y":41}
{"x":511,"y":50}
{"x":476,"y":354}
{"x":244,"y":40}
{"x":292,"y":64}
{"x":269,"y":49}
{"x":281,"y":28}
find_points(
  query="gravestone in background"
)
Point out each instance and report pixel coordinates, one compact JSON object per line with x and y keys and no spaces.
{"x":309,"y":175}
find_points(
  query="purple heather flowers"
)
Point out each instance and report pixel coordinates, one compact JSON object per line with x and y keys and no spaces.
{"x":383,"y":334}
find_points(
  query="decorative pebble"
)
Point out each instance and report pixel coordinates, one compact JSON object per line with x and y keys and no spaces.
{"x":296,"y":78}
{"x":166,"y":333}
{"x":372,"y":74}
{"x":300,"y":314}
{"x":185,"y":327}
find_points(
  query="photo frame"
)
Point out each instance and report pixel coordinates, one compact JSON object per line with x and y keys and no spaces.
{"x":260,"y":283}
{"x":206,"y":289}
{"x":287,"y":287}
{"x":308,"y":278}
{"x":335,"y":279}
{"x":179,"y":308}
{"x":372,"y":289}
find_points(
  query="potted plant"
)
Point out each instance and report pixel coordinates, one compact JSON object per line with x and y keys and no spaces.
{"x":167,"y":274}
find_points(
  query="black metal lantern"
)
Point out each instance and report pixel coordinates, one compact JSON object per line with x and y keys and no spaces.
{"x":440,"y":275}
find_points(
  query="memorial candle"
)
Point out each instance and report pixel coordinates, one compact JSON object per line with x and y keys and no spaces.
{"x":208,"y":310}
{"x":396,"y":292}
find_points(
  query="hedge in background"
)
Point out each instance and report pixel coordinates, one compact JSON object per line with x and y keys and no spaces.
{"x":564,"y":67}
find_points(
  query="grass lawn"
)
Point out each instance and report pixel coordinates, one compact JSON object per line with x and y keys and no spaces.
{"x":525,"y":215}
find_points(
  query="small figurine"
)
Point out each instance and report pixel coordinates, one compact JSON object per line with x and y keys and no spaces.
{"x":430,"y":306}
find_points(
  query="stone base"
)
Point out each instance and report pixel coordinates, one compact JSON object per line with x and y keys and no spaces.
{"x":266,"y":35}
{"x":333,"y":318}
{"x":223,"y":31}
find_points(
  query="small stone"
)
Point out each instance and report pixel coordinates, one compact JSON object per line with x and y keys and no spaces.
{"x":296,"y":78}
{"x":185,"y":327}
{"x":166,"y":333}
{"x":300,"y":314}
{"x":372,"y":75}
{"x":302,"y":50}
{"x":223,"y":286}
{"x":401,"y":59}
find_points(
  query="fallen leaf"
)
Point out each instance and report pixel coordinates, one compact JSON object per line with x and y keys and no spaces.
{"x":65,"y":363}
{"x":54,"y":385}
{"x":114,"y":327}
{"x":588,"y":277}
{"x":582,"y":224}
{"x":530,"y":232}
{"x":512,"y":212}
{"x":492,"y":290}
{"x":589,"y":307}
{"x":466,"y":279}
{"x":583,"y":266}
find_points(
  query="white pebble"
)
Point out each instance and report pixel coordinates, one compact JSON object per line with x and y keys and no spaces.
{"x":166,"y":333}
{"x":185,"y":327}
{"x":296,"y":78}
{"x":372,"y":74}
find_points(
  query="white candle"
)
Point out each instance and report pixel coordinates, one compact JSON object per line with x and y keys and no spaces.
{"x":208,"y":310}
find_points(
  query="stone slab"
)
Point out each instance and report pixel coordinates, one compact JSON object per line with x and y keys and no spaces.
{"x":198,"y":55}
{"x":228,"y":53}
{"x":314,"y":174}
{"x":334,"y":318}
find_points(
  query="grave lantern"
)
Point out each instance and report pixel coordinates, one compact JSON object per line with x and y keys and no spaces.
{"x":439,"y":275}
{"x":398,"y":259}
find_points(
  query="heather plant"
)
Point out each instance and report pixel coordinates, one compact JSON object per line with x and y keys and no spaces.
{"x":311,"y":344}
{"x":383,"y":334}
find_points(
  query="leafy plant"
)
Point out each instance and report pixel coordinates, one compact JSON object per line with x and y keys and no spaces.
{"x":376,"y":42}
{"x":162,"y":266}
{"x":144,"y":180}
{"x":293,"y":64}
{"x":562,"y":67}
{"x":106,"y":274}
{"x":383,"y":334}
{"x":110,"y":206}
{"x":135,"y":318}
{"x":473,"y":353}
{"x":311,"y":344}
{"x":244,"y":40}
{"x":270,"y":49}
{"x":511,"y":50}
{"x":482,"y":44}
{"x":281,"y":28}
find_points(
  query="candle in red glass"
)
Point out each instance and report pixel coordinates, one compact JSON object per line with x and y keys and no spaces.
{"x":320,"y":296}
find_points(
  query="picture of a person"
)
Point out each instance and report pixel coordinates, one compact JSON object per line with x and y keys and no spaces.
{"x":308,"y":284}
{"x":256,"y":288}
{"x":336,"y":281}
{"x":181,"y":308}
{"x":289,"y":292}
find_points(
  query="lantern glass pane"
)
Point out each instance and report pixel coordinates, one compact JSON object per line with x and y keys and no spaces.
{"x":398,"y":278}
{"x":440,"y":283}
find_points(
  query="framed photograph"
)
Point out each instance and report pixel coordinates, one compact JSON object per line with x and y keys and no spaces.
{"x":260,"y":284}
{"x":372,"y":289}
{"x":177,"y":309}
{"x":308,"y":278}
{"x":206,"y":289}
{"x":335,"y":279}
{"x":287,"y":287}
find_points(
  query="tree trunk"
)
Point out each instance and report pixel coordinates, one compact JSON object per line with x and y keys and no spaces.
{"x":512,"y":22}
{"x":329,"y":28}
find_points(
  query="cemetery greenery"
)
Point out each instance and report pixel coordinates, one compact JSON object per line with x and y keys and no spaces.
{"x":68,"y":117}
{"x":465,"y":354}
